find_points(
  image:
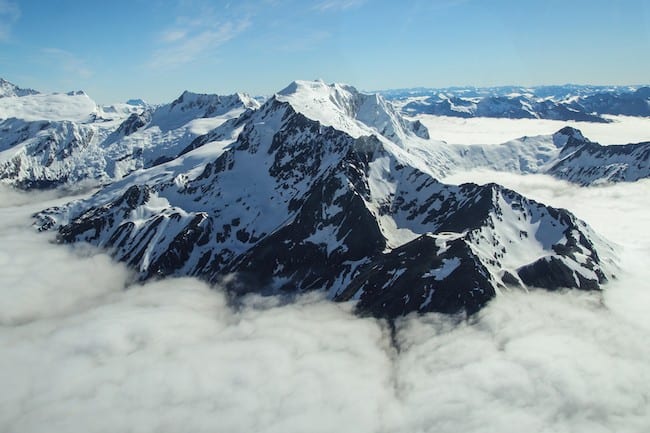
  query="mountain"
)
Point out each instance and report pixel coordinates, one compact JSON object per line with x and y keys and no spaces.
{"x":319,"y":189}
{"x":510,"y":107}
{"x":635,"y":103}
{"x":586,"y":163}
{"x":137,"y":102}
{"x":52,"y":140}
{"x":8,"y":89}
{"x":569,"y":102}
{"x":566,"y":155}
{"x":555,"y":92}
{"x":344,"y":108}
{"x":73,"y":106}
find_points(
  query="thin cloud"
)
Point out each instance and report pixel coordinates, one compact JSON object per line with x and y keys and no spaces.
{"x":305,"y":43}
{"x":67,"y":62}
{"x":192,"y":39}
{"x":444,"y":4}
{"x":9,"y":14}
{"x":173,"y":35}
{"x":338,"y":5}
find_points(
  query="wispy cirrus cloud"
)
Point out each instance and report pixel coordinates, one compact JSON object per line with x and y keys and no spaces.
{"x":338,"y":5}
{"x":173,"y":35}
{"x":9,"y":14}
{"x":307,"y":42}
{"x":67,"y":62}
{"x":191,"y":39}
{"x":446,"y":4}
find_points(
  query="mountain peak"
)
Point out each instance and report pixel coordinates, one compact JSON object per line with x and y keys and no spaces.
{"x":567,"y":136}
{"x":192,"y":100}
{"x":137,"y":102}
{"x":8,"y":89}
{"x":345,"y":108}
{"x":293,"y":205}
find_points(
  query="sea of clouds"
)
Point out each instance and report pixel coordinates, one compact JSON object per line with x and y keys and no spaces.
{"x":483,"y":130}
{"x":84,"y":349}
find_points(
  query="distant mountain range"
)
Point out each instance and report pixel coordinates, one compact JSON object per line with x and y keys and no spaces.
{"x":570,"y":102}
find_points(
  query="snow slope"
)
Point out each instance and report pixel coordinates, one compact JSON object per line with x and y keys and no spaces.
{"x":344,"y":108}
{"x":63,"y":139}
{"x":8,"y":89}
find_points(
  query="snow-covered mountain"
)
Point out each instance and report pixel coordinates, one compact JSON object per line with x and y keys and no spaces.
{"x":584,"y":162}
{"x":324,"y":188}
{"x":509,"y":107}
{"x":344,"y":108}
{"x":575,"y":103}
{"x":556,"y":92}
{"x":50,"y":140}
{"x":567,"y":155}
{"x":8,"y":89}
{"x":636,"y":103}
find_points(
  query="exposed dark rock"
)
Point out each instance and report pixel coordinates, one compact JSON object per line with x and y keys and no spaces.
{"x":300,"y":206}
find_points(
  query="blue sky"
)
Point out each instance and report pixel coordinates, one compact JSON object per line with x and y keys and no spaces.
{"x":154,"y":49}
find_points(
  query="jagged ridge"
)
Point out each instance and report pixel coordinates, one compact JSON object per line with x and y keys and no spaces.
{"x":297,"y":204}
{"x":95,"y":147}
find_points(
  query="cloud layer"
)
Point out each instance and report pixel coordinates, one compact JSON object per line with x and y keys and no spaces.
{"x":338,"y":5}
{"x":191,"y":39}
{"x":82,"y":354}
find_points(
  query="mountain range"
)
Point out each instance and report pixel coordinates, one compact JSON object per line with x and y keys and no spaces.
{"x":320,"y":187}
{"x":53,"y":140}
{"x":8,"y":89}
{"x":575,"y":103}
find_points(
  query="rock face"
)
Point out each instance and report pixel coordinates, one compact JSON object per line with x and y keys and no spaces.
{"x":320,"y":190}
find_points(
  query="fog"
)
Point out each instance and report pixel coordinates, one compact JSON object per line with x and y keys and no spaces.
{"x":483,"y":130}
{"x":85,"y":350}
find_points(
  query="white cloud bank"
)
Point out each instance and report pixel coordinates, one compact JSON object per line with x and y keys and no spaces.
{"x":483,"y":130}
{"x":80,"y":354}
{"x":192,"y":39}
